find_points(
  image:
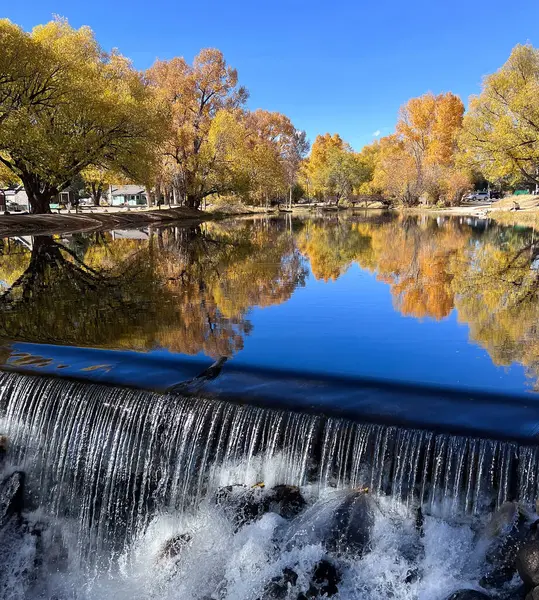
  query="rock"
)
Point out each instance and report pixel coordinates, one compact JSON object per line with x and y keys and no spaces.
{"x":174,"y":546}
{"x":11,"y":496}
{"x":326,"y":577}
{"x":351,"y":529}
{"x":279,"y":586}
{"x":412,"y":575}
{"x":528,"y":563}
{"x":507,"y":530}
{"x":419,"y":522}
{"x":245,"y":505}
{"x":469,"y":595}
{"x":286,"y":500}
{"x":324,"y":581}
{"x":3,"y":447}
{"x":533,"y":595}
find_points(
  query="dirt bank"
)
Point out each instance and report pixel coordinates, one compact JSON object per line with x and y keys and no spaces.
{"x":70,"y":223}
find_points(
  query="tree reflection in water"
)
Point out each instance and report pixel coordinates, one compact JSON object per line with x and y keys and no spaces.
{"x":487,"y":273}
{"x":190,"y":290}
{"x":185,"y":289}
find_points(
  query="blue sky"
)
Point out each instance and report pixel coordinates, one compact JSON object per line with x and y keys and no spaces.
{"x":343,"y":66}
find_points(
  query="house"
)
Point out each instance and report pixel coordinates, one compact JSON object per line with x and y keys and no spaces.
{"x":128,"y":195}
{"x":17,"y":199}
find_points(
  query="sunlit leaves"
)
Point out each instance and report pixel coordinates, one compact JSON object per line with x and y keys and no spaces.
{"x":501,"y":129}
{"x":96,"y":111}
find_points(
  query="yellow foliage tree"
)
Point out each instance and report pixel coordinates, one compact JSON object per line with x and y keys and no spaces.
{"x":97,"y":112}
{"x":501,"y":128}
{"x":193,"y":95}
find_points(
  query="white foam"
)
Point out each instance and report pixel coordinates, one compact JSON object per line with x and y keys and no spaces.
{"x":224,"y":564}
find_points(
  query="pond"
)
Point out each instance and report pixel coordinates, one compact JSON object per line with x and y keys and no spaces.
{"x":449,"y":302}
{"x":270,"y":407}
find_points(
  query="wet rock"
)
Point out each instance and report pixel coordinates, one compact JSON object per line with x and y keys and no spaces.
{"x":533,"y":595}
{"x":3,"y":447}
{"x":352,"y":525}
{"x":11,"y":496}
{"x":245,"y":505}
{"x":469,"y":595}
{"x":174,"y":546}
{"x":505,"y":533}
{"x":286,"y":500}
{"x":324,"y":581}
{"x":326,"y":577}
{"x":419,"y":522}
{"x":279,"y":587}
{"x":527,"y":563}
{"x":412,"y":575}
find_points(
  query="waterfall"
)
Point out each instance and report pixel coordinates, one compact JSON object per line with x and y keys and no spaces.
{"x":108,"y":459}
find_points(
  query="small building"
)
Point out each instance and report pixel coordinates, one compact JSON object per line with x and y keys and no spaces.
{"x":17,"y":200}
{"x":128,"y":195}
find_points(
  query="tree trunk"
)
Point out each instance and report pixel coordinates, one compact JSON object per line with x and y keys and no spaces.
{"x":193,"y":201}
{"x":97,"y":192}
{"x":39,"y":196}
{"x":39,"y":201}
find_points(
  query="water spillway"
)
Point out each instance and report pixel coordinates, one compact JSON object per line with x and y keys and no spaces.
{"x":107,"y":460}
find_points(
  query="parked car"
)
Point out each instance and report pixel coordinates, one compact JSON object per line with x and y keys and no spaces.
{"x":478,"y":196}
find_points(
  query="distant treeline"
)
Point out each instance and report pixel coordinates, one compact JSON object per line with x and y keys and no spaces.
{"x":74,"y":115}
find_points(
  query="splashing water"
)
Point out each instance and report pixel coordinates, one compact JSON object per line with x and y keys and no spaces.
{"x":118,"y":472}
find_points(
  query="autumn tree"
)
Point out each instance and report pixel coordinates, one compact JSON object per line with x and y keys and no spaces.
{"x":276,"y":135}
{"x":369,"y":159}
{"x":193,"y":95}
{"x":30,"y":78}
{"x":421,"y":160}
{"x":333,"y":170}
{"x":501,"y":128}
{"x":314,"y":166}
{"x":395,"y":173}
{"x":97,"y":112}
{"x":97,"y":180}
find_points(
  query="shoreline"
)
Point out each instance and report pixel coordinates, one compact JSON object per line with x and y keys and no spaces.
{"x":49,"y":224}
{"x":523,"y":218}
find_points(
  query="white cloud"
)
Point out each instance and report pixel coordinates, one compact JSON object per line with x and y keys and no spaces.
{"x":377,"y":133}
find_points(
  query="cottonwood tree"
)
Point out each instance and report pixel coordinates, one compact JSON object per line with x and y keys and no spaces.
{"x":30,"y":78}
{"x":501,"y":128}
{"x":421,"y":160}
{"x":96,"y":111}
{"x":289,"y":144}
{"x":193,"y":95}
{"x":314,"y":166}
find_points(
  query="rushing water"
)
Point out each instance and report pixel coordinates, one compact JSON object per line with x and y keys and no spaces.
{"x":131,"y":489}
{"x":121,"y":471}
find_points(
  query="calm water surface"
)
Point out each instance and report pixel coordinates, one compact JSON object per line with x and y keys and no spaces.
{"x":449,"y":301}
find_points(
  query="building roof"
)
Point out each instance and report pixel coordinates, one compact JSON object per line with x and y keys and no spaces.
{"x":128,"y":190}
